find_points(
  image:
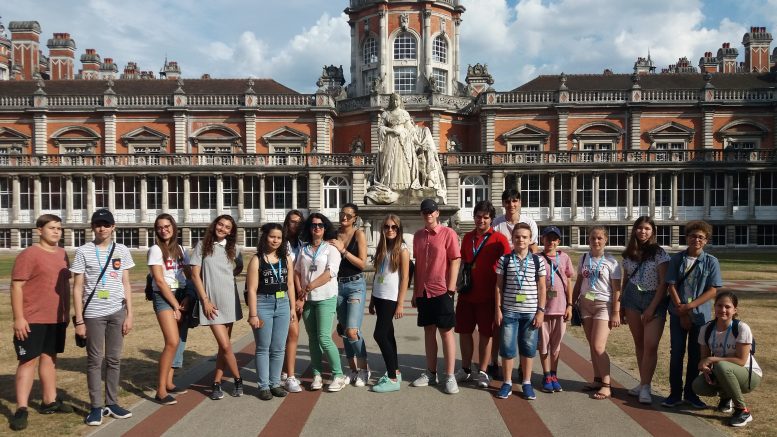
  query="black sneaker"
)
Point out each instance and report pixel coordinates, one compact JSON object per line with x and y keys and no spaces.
{"x":95,"y":416}
{"x":725,"y":406}
{"x":19,"y":420}
{"x":216,"y":391}
{"x":167,"y":400}
{"x":265,"y":394}
{"x":238,"y":389}
{"x":55,"y":407}
{"x":117,"y":412}
{"x":741,"y":418}
{"x":278,"y":392}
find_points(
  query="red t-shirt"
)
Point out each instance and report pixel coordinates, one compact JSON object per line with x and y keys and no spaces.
{"x":484,"y":271}
{"x":432,"y":250}
{"x":46,"y":288}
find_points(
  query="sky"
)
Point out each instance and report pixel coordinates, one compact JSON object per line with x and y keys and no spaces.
{"x":290,"y":41}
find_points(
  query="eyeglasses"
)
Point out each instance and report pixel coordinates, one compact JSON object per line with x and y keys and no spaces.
{"x":697,"y":237}
{"x":345,"y":215}
{"x":159,"y":228}
{"x":390,"y":228}
{"x":317,"y":226}
{"x":295,"y":222}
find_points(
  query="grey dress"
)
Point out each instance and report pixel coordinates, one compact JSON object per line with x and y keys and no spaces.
{"x":219,"y":281}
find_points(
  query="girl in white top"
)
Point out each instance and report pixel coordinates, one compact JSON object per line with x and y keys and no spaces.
{"x":727,"y":367}
{"x":315,"y":275}
{"x":389,"y":287}
{"x":597,"y":293}
{"x":292,"y":230}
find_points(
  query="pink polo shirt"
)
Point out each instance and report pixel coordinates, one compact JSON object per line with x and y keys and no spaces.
{"x":433,"y":249}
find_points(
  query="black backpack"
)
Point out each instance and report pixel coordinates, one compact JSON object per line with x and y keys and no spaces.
{"x":734,"y":330}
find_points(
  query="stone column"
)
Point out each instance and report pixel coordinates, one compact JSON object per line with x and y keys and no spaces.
{"x":262,"y":203}
{"x":355,"y":58}
{"x":455,"y":51}
{"x":240,"y":198}
{"x":452,"y":182}
{"x":652,"y":195}
{"x":40,"y":134}
{"x":673,"y":216}
{"x":573,"y":196}
{"x":563,"y":133}
{"x":37,"y":199}
{"x":250,"y":120}
{"x":186,"y":199}
{"x":165,"y":193}
{"x":497,"y":187}
{"x":323,"y":139}
{"x":595,"y":196}
{"x":551,"y":196}
{"x":143,"y":199}
{"x":707,"y":195}
{"x":112,"y":193}
{"x":629,"y":196}
{"x":488,"y":138}
{"x":729,"y":196}
{"x":294,"y":190}
{"x":436,"y":129}
{"x":90,"y":197}
{"x":383,"y":49}
{"x":219,"y":194}
{"x":709,"y":130}
{"x":109,"y":123}
{"x":636,"y":130}
{"x":179,"y":118}
{"x":16,"y":199}
{"x":751,"y":195}
{"x":69,"y":199}
{"x":427,"y":42}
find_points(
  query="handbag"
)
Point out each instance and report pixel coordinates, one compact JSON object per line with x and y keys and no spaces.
{"x":81,"y":341}
{"x":464,"y":282}
{"x":577,"y":318}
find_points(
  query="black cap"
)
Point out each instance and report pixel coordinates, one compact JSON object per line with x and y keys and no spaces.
{"x":429,"y":205}
{"x":551,"y":230}
{"x":103,"y":216}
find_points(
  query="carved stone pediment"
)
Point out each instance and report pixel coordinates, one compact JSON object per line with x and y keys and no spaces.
{"x":670,"y":130}
{"x":286,"y":134}
{"x":526,"y":132}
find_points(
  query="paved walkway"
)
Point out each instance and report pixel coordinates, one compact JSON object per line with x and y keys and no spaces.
{"x":411,"y":411}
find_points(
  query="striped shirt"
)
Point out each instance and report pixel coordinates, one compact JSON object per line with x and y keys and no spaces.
{"x":520,"y":290}
{"x":88,"y":263}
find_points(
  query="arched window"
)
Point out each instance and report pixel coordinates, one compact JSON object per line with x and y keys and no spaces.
{"x":440,"y":50}
{"x":370,"y":51}
{"x":337,"y":192}
{"x":473,"y":189}
{"x":405,"y":46}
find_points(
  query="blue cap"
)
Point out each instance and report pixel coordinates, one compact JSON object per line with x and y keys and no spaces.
{"x":551,"y":230}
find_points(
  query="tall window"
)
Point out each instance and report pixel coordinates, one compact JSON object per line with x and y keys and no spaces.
{"x":405,"y":47}
{"x":154,"y":192}
{"x":100,"y":192}
{"x":230,"y":191}
{"x":79,"y":192}
{"x":767,"y":235}
{"x":79,"y":237}
{"x":5,"y":193}
{"x":52,"y":192}
{"x":618,"y":235}
{"x":739,"y":189}
{"x":337,"y":192}
{"x":612,"y":190}
{"x":663,"y":189}
{"x":664,"y":235}
{"x":741,"y":235}
{"x":370,"y":51}
{"x":718,"y":235}
{"x":277,"y":192}
{"x":718,"y":190}
{"x":641,"y":189}
{"x":127,"y":192}
{"x":25,"y":235}
{"x":691,"y":189}
{"x":202,"y":192}
{"x":440,"y":50}
{"x":473,"y":189}
{"x":175,"y":192}
{"x":129,"y":237}
{"x":534,"y":190}
{"x":27,"y":193}
{"x":197,"y":235}
{"x":302,"y":191}
{"x":404,"y":79}
{"x":766,"y":189}
{"x":251,"y":192}
{"x":5,"y":238}
{"x":440,"y":77}
{"x":585,"y":190}
{"x":562,"y":191}
{"x":252,"y":237}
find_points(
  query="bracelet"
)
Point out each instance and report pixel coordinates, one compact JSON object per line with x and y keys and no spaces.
{"x":78,"y":323}
{"x":570,"y":305}
{"x":541,"y":309}
{"x":253,"y":316}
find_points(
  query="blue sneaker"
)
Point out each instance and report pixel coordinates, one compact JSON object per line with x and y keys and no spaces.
{"x":505,"y":391}
{"x":117,"y":412}
{"x":547,"y":384}
{"x":672,"y":401}
{"x":386,"y":385}
{"x":95,"y":417}
{"x":696,"y":402}
{"x":556,"y":385}
{"x":528,"y":392}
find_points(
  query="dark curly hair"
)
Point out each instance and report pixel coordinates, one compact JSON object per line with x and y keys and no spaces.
{"x":210,"y":238}
{"x":329,"y":231}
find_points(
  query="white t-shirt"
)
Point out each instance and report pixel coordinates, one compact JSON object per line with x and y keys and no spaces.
{"x":596,"y":274}
{"x":505,"y":228}
{"x":327,"y":257}
{"x":389,"y":287}
{"x":729,"y":349}
{"x":109,"y":294}
{"x":172,"y":269}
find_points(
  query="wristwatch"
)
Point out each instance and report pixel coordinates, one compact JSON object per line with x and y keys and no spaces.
{"x":540,"y":309}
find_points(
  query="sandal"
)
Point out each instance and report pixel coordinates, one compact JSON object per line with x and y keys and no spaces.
{"x":596,"y":385}
{"x":599,"y":396}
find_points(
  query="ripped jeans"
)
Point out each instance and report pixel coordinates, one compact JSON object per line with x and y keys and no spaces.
{"x":350,"y":312}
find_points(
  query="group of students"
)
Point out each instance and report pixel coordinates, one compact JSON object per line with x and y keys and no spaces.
{"x":517,"y":296}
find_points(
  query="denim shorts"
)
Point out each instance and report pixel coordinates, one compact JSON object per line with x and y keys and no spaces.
{"x":161,"y":304}
{"x":518,"y":335}
{"x":636,"y":300}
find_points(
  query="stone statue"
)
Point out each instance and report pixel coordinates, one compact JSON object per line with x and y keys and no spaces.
{"x":407,"y":157}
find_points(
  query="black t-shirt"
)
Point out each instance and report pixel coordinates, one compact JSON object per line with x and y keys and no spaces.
{"x":269,"y":283}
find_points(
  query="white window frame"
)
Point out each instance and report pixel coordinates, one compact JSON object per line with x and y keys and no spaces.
{"x":175,"y":192}
{"x":196,"y":191}
{"x":531,"y":150}
{"x":405,"y":47}
{"x":370,"y":51}
{"x":697,"y":190}
{"x":766,"y":188}
{"x":230,"y":191}
{"x":49,"y":195}
{"x":337,"y":188}
{"x":405,"y":78}
{"x":440,"y":76}
{"x":440,"y":49}
{"x":672,"y":149}
{"x":597,"y":150}
{"x":122,"y":193}
{"x":252,"y":192}
{"x":475,"y":185}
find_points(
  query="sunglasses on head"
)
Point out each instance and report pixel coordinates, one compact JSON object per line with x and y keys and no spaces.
{"x":317,"y":226}
{"x":390,"y":227}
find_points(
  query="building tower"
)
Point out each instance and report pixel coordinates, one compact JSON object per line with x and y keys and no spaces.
{"x":91,"y":65}
{"x":727,"y":58}
{"x":404,"y":46}
{"x":25,"y":42}
{"x":108,"y":69}
{"x":170,"y":70}
{"x":5,"y":54}
{"x":756,"y":44}
{"x":62,"y":53}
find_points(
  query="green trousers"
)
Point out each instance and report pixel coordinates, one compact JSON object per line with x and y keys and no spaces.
{"x":318,"y":317}
{"x":732,"y":382}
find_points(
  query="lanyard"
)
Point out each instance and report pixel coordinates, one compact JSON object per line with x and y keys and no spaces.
{"x":100,"y":261}
{"x":725,"y":339}
{"x":594,"y":273}
{"x":272,"y":267}
{"x":480,"y":246}
{"x":314,"y":256}
{"x":518,"y":271}
{"x":553,"y":270}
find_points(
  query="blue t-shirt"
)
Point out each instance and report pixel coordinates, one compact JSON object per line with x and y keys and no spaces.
{"x":705,"y":275}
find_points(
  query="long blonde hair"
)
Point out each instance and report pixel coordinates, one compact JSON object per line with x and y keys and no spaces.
{"x":393,"y":248}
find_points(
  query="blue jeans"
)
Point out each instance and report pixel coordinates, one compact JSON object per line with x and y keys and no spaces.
{"x":271,"y":338}
{"x":678,"y":339}
{"x":518,"y":335}
{"x":350,"y":312}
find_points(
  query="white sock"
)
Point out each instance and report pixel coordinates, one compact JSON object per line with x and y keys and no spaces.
{"x":526,"y":382}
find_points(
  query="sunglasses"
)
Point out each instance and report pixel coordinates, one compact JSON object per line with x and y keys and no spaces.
{"x":345,"y":215}
{"x":390,"y":227}
{"x":317,"y":226}
{"x":427,"y":212}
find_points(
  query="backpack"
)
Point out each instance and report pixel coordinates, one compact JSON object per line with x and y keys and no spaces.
{"x":504,"y":269}
{"x":734,"y":330}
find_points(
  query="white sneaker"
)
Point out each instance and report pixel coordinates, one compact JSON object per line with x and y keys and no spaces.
{"x":450,"y":385}
{"x":317,"y":383}
{"x":634,"y":391}
{"x":362,"y":377}
{"x":483,"y":379}
{"x":425,"y":379}
{"x":337,"y":384}
{"x":645,"y":397}
{"x":284,"y":376}
{"x":462,"y":376}
{"x":292,"y":385}
{"x":351,"y":377}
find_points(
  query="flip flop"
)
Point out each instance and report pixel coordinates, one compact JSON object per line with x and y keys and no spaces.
{"x":599,"y":396}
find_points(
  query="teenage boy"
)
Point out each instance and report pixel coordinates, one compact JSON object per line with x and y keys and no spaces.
{"x":108,"y":315}
{"x":437,"y":257}
{"x":693,"y":278}
{"x":476,"y":306}
{"x":520,"y":309}
{"x":558,"y":308}
{"x":511,"y":201}
{"x":40,"y":302}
